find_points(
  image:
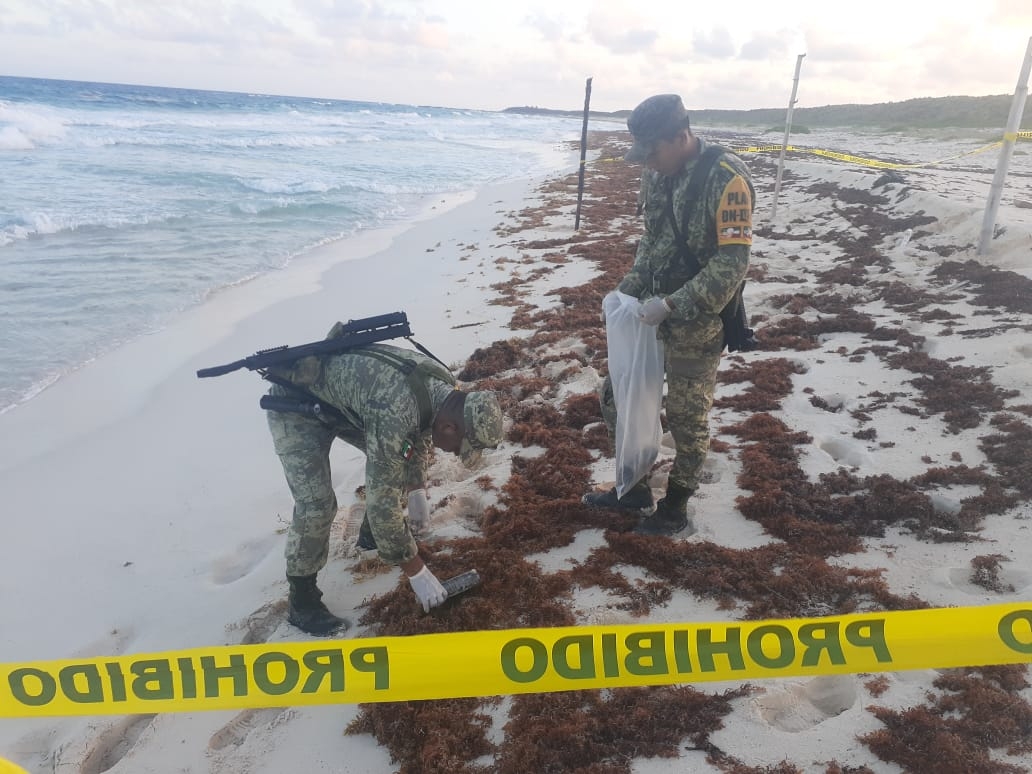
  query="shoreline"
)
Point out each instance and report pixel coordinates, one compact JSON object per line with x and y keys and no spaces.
{"x":302,"y":272}
{"x":135,"y":450}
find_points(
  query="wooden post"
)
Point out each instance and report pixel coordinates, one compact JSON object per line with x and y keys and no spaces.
{"x":1009,"y":138}
{"x":583,"y":153}
{"x":788,"y":129}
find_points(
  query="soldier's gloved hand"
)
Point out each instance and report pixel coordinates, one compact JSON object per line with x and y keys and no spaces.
{"x":428,"y":589}
{"x":418,"y":510}
{"x":654,"y":311}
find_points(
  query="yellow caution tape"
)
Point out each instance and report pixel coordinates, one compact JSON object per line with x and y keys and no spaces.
{"x":6,"y":767}
{"x":488,"y":663}
{"x":865,"y":162}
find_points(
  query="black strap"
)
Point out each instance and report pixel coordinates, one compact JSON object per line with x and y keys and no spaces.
{"x":328,"y":413}
{"x":414,"y":375}
{"x":737,"y":334}
{"x":700,"y":173}
{"x":426,"y":352}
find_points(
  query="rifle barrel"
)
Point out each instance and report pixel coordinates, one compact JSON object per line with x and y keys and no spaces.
{"x":222,"y":369}
{"x":358,"y":333}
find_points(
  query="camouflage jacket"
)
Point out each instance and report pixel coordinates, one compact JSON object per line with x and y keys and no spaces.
{"x":719,"y":235}
{"x":383,"y":419}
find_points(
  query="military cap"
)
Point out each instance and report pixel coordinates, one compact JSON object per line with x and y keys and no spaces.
{"x":482,"y":419}
{"x":657,"y":118}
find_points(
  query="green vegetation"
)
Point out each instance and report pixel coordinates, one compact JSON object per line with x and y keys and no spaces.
{"x":796,"y":129}
{"x":988,"y":112}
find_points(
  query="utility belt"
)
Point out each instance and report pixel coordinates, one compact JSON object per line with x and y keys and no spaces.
{"x":308,"y":408}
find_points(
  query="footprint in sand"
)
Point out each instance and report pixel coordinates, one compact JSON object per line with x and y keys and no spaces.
{"x":236,"y":730}
{"x":713,"y":469}
{"x":463,"y":506}
{"x":1003,"y":580}
{"x":114,"y":643}
{"x":112,"y":745}
{"x":844,"y":452}
{"x":260,"y":625}
{"x":795,"y":706}
{"x":238,"y":564}
{"x":344,"y":531}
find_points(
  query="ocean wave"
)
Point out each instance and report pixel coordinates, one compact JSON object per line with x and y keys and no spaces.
{"x":272,"y":186}
{"x":124,"y":205}
{"x":12,"y":138}
{"x":35,"y":125}
{"x":38,"y":224}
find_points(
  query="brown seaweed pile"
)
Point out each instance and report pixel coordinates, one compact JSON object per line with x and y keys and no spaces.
{"x":814,"y":525}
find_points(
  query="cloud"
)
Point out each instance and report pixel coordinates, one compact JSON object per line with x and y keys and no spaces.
{"x":619,"y":29}
{"x":470,"y":54}
{"x":715,"y":43}
{"x":1016,"y":12}
{"x":830,"y":46}
{"x":550,"y":28}
{"x":765,"y":45}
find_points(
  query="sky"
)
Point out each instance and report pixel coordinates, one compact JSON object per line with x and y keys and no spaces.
{"x":492,"y":55}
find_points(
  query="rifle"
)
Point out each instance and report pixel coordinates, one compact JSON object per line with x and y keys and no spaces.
{"x":356,"y":333}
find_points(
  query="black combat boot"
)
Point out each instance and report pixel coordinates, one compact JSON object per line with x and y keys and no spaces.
{"x":307,"y":612}
{"x":671,"y":514}
{"x":366,"y":541}
{"x":638,"y":498}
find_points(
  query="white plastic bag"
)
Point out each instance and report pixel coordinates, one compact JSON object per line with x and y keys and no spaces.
{"x":636,"y":370}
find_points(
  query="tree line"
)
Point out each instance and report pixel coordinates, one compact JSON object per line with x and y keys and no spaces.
{"x":988,"y":112}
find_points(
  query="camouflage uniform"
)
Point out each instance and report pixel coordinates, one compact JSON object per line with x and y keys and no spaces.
{"x":383,"y":420}
{"x":720,"y":236}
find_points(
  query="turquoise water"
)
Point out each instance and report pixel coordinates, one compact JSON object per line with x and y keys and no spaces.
{"x":121,"y":206}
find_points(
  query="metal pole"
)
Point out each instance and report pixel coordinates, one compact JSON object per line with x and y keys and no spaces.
{"x":788,"y":128}
{"x":583,"y":153}
{"x":1009,"y":137}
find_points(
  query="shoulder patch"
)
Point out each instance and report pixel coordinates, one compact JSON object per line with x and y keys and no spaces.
{"x":734,"y":215}
{"x":407,"y":450}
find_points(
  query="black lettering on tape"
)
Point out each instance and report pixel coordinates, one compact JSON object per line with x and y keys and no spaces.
{"x":42,"y":687}
{"x":1006,"y":630}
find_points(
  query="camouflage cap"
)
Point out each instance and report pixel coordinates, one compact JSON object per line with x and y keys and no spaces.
{"x":657,"y":118}
{"x":482,"y":419}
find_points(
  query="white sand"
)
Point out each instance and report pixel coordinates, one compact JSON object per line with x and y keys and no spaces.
{"x":144,"y":508}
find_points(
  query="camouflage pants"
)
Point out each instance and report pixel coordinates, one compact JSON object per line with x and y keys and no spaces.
{"x":690,"y":380}
{"x":303,"y":446}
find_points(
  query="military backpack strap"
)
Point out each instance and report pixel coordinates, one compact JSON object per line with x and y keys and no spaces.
{"x":700,"y":173}
{"x":416,"y":374}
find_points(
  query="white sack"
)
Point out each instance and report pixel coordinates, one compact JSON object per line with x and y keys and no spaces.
{"x":636,"y":370}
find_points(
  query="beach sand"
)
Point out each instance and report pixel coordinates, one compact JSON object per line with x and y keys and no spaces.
{"x":874,"y":454}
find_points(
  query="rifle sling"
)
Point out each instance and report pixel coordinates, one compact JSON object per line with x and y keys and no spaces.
{"x":700,"y":172}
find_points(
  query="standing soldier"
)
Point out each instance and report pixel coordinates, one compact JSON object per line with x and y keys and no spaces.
{"x":691,"y":261}
{"x":391,"y":403}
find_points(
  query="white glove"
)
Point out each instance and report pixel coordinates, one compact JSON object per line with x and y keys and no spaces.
{"x":654,"y":311}
{"x":429,"y":590}
{"x":418,"y":510}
